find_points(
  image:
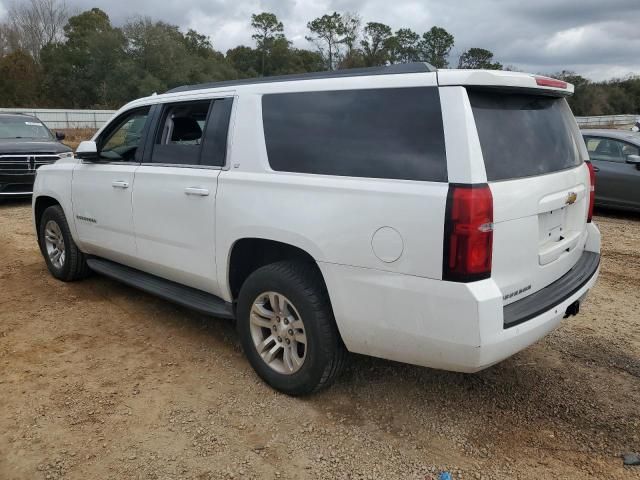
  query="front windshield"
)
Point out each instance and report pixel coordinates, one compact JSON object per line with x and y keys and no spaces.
{"x":27,"y":127}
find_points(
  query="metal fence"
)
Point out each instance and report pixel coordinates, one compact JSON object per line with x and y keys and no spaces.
{"x":61,"y":119}
{"x":607,"y":120}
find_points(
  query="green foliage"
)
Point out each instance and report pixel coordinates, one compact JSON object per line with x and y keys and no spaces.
{"x":618,"y":96}
{"x":21,"y":77}
{"x":89,"y":69}
{"x":268,"y":30}
{"x":328,"y":34}
{"x":97,"y":65}
{"x":435,"y":47}
{"x":403,"y":46}
{"x":375,"y":48}
{"x":245,"y":60}
{"x":478,"y":58}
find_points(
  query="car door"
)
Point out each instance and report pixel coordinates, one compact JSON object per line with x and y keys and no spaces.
{"x":101,"y":189}
{"x":617,"y":181}
{"x":175,"y":194}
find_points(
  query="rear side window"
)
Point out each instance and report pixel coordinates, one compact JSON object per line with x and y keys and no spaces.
{"x":523,"y":135}
{"x":380,"y":133}
{"x":193,"y":133}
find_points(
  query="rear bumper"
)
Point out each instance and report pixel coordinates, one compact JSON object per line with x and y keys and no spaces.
{"x":502,"y":344}
{"x":553,"y":294}
{"x":438,"y":324}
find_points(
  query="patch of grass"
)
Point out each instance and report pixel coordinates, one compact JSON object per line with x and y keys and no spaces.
{"x":76,"y":135}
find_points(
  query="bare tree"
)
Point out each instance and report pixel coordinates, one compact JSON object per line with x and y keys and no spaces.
{"x":38,"y":23}
{"x":352,"y":31}
{"x":8,"y":39}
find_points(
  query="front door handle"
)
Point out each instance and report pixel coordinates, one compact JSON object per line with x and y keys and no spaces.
{"x":202,"y":192}
{"x":120,"y":184}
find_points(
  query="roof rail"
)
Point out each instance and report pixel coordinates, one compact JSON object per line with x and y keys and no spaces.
{"x":415,"y":67}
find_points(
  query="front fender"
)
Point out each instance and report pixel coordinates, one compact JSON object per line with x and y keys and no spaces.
{"x":54,"y":181}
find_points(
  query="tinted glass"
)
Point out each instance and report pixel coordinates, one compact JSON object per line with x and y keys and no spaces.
{"x":523,"y":135}
{"x":214,"y":150}
{"x":609,"y":150}
{"x":382,"y":133}
{"x":23,"y":127}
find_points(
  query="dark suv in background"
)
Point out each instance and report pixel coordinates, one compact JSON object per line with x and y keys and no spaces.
{"x":25,"y":145}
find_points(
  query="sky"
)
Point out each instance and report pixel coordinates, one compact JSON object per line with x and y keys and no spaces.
{"x":599,"y":39}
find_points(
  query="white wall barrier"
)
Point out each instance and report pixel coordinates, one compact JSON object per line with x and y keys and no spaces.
{"x":57,"y":119}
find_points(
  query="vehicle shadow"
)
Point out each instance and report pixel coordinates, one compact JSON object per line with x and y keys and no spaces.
{"x":11,"y":202}
{"x":616,"y":214}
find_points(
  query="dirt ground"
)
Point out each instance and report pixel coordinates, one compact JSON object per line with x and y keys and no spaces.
{"x":101,"y":381}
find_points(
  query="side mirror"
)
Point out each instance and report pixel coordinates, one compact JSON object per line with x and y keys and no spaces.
{"x":88,"y":150}
{"x":634,"y":160}
{"x":60,"y":136}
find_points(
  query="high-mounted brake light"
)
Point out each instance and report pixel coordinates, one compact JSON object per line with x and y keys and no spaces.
{"x":468,"y":236}
{"x":550,"y":82}
{"x":592,"y":190}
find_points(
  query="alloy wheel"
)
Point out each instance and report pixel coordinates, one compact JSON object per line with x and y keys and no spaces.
{"x":278,"y":332}
{"x":54,"y":243}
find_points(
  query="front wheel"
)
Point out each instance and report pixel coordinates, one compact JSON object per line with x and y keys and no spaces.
{"x":287,"y":328}
{"x":63,"y":257}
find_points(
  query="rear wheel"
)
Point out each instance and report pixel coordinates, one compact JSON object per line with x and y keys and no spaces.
{"x":63,"y":257}
{"x":287,"y":328}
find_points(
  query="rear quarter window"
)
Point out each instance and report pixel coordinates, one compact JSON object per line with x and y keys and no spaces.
{"x":523,"y":135}
{"x":391,"y":133}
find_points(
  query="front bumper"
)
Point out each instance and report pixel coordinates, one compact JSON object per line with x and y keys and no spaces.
{"x":16,"y":184}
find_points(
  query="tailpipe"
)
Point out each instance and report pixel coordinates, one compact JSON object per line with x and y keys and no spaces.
{"x":572,"y":309}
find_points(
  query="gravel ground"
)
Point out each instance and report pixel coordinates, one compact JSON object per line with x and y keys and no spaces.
{"x":101,"y":381}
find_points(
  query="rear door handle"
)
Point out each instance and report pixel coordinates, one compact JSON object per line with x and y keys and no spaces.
{"x":596,"y":169}
{"x":202,"y":192}
{"x":120,"y":184}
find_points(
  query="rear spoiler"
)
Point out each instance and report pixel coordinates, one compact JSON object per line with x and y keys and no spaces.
{"x":502,"y":80}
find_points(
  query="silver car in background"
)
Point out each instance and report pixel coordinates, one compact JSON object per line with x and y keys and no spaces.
{"x":615,"y":155}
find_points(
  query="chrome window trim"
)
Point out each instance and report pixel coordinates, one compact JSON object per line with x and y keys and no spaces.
{"x":106,"y":162}
{"x":181,"y":165}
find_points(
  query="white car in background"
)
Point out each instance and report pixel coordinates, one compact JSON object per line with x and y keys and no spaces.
{"x":439,"y":218}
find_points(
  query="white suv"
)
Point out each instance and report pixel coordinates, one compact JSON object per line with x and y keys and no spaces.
{"x":439,"y":218}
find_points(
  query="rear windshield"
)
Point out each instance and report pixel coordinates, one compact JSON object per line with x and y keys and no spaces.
{"x":523,"y":135}
{"x":379,"y":133}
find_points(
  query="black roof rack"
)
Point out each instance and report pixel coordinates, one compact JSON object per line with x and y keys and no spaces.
{"x":415,"y":67}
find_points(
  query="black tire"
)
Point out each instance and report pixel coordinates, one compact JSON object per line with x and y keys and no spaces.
{"x":301,"y":283}
{"x":74,"y":266}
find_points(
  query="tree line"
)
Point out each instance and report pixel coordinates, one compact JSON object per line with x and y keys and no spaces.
{"x":52,"y":58}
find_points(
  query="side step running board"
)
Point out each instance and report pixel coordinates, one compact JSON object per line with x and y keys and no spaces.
{"x":192,"y":298}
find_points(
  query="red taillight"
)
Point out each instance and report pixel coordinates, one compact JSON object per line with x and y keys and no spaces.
{"x":592,"y":190}
{"x":468,"y":239}
{"x":550,"y":82}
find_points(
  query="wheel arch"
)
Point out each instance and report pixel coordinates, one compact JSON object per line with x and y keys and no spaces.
{"x":40,"y":204}
{"x":250,"y":253}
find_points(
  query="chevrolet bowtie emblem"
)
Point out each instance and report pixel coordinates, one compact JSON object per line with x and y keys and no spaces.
{"x":571,"y":198}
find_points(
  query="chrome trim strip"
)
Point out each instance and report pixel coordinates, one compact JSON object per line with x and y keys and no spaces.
{"x":181,"y":165}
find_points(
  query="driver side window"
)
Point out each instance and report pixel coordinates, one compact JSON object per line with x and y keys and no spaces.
{"x":121,"y":143}
{"x":609,"y":150}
